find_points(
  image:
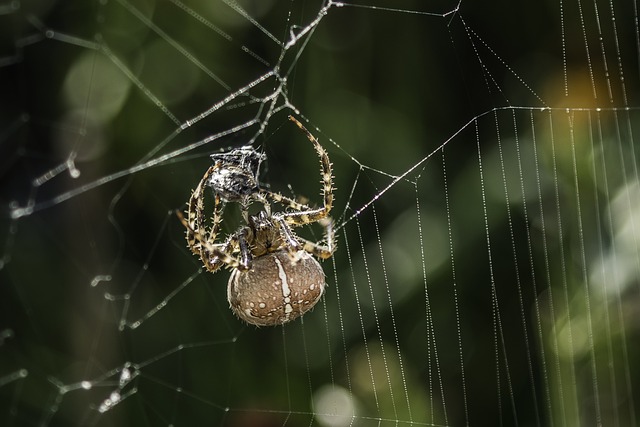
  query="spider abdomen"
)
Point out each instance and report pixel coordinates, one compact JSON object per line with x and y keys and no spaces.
{"x":276,"y":289}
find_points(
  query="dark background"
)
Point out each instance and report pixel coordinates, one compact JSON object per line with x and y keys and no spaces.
{"x":494,"y":280}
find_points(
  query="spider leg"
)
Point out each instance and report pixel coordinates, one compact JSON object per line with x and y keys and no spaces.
{"x":221,"y":253}
{"x":307,"y":216}
{"x":284,"y":200}
{"x":294,"y":242}
{"x":216,"y":219}
{"x":211,"y":261}
{"x":195,"y":215}
{"x":260,"y":196}
{"x":320,"y":250}
{"x":235,"y":242}
{"x":245,"y":250}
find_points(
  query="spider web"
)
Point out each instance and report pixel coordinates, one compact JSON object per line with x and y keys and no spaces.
{"x":486,"y":211}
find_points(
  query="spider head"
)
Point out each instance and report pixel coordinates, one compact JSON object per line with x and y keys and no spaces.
{"x":235,"y":178}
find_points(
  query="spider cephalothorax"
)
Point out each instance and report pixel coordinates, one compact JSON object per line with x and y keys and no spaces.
{"x":274,"y":276}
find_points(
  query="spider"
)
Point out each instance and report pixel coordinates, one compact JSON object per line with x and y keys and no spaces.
{"x":274,"y":277}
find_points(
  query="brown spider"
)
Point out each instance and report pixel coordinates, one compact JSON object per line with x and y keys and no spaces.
{"x":274,"y":278}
